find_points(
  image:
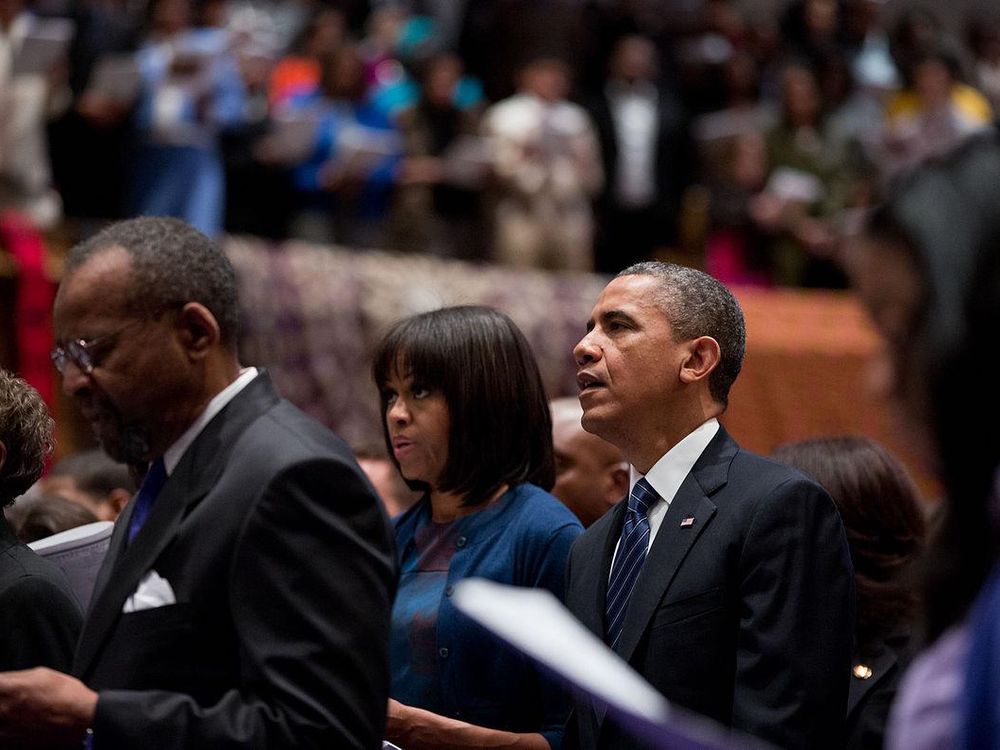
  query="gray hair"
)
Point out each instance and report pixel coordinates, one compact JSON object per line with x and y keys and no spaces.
{"x":172,"y":264}
{"x":698,"y":305}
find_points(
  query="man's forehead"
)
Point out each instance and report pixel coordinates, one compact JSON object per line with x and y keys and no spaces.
{"x":101,"y":272}
{"x":93,"y":290}
{"x":629,"y":294}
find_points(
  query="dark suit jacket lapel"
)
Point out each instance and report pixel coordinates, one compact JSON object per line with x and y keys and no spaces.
{"x":880,"y":663}
{"x":190,"y":481}
{"x":596,"y":559}
{"x":673,"y":540}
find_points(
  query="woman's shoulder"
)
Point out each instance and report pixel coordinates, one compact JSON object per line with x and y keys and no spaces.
{"x":537,"y":509}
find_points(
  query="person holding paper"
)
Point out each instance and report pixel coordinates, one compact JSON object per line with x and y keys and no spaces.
{"x":245,"y":596}
{"x":32,"y":52}
{"x":466,"y":421}
{"x":724,"y":579}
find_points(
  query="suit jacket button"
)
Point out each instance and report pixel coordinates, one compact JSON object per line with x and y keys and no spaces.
{"x":443,"y":652}
{"x":460,"y":542}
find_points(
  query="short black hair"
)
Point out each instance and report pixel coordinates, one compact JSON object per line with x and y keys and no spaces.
{"x":481,"y":363}
{"x":26,"y":434}
{"x":172,"y":264}
{"x":698,"y":305}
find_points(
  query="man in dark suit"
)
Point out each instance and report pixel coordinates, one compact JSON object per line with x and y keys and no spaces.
{"x":39,"y":615}
{"x":725,"y":580}
{"x":245,"y":597}
{"x":646,"y":154}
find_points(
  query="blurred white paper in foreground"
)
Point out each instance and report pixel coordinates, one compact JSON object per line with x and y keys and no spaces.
{"x":535,"y":622}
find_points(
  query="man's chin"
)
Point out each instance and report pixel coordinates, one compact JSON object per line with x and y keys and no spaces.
{"x":595,"y":422}
{"x":123,"y":446}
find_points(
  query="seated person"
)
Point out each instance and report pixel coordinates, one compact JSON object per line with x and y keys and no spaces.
{"x":40,"y":617}
{"x":41,"y":516}
{"x":591,"y":475}
{"x":392,"y":490}
{"x":93,"y":480}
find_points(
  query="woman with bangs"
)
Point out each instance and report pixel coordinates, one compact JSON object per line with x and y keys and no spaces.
{"x":466,"y":420}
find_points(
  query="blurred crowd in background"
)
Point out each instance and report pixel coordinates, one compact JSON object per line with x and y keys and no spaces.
{"x":551,"y":133}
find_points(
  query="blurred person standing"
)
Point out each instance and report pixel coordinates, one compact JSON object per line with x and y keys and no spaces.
{"x":40,"y":617}
{"x":547,"y":171}
{"x":646,"y":157}
{"x":928,"y":270}
{"x":724,"y":579}
{"x":935,"y":112}
{"x":591,"y":475}
{"x":436,"y":207}
{"x":807,"y":185}
{"x":191,"y":90}
{"x":245,"y":596}
{"x":885,"y":530}
{"x":27,"y":98}
{"x":345,"y":183}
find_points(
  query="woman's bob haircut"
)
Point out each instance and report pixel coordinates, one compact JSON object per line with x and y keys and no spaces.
{"x":481,"y":363}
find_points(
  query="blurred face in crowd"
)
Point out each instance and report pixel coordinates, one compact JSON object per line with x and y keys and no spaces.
{"x":800,"y":97}
{"x":890,"y":287}
{"x":546,"y":79}
{"x":634,"y":60}
{"x":590,"y":474}
{"x":396,"y":497}
{"x":441,"y":80}
{"x":821,"y":17}
{"x":171,"y":16}
{"x":419,"y":424}
{"x":933,"y":82}
{"x":344,"y":75}
{"x":136,"y":384}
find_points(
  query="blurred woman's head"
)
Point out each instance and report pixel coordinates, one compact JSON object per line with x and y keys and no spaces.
{"x":885,"y":527}
{"x":470,"y":374}
{"x":928,"y":270}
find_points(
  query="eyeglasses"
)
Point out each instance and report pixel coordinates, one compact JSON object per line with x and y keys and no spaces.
{"x":81,"y":351}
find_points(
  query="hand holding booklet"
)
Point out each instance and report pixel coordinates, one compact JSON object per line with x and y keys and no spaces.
{"x":534,"y":621}
{"x":45,"y":44}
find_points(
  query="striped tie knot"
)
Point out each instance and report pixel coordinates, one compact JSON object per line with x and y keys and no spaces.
{"x":642,"y":497}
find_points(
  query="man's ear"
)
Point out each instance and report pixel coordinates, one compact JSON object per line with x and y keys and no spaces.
{"x":117,"y":499}
{"x":703,"y":356}
{"x":618,"y":487}
{"x":199,"y":330}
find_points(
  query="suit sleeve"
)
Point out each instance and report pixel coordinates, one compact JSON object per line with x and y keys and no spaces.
{"x":311,"y":586}
{"x":40,"y":623}
{"x":797,"y":620}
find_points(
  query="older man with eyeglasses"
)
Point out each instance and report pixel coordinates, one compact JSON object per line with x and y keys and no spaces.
{"x":245,"y":597}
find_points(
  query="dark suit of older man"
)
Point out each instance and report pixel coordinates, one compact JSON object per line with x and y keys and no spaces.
{"x":245,"y":600}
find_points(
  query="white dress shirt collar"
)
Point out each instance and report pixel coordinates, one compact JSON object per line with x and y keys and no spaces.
{"x":669,"y":472}
{"x":173,"y":454}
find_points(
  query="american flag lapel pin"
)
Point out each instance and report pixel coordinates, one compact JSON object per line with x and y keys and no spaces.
{"x":689,"y":521}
